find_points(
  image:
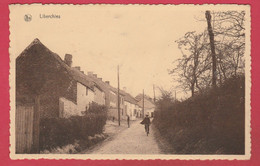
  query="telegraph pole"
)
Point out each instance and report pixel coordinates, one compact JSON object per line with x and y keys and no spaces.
{"x":118,"y":96}
{"x":212,"y":47}
{"x":143,"y":103}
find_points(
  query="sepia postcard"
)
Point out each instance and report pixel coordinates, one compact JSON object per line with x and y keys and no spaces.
{"x":102,"y":81}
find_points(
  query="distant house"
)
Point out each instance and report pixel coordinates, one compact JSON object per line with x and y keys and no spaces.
{"x":130,"y":105}
{"x":101,"y":90}
{"x":113,"y":107}
{"x":138,"y":111}
{"x":149,"y":105}
{"x":111,"y":96}
{"x":62,"y":90}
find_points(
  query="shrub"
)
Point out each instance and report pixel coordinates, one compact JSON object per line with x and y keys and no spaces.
{"x":208,"y":123}
{"x":56,"y":132}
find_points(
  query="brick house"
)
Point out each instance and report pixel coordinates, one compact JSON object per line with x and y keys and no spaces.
{"x":62,"y":90}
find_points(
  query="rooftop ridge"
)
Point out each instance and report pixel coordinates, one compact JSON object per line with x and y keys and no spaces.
{"x":36,"y":41}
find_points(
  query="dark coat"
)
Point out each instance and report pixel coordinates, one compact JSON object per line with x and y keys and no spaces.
{"x":146,"y":121}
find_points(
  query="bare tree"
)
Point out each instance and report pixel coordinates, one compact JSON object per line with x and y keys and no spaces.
{"x":214,"y":55}
{"x":229,"y":31}
{"x":195,"y":61}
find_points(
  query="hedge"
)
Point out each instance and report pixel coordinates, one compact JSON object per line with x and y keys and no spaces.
{"x":211,"y":122}
{"x":57,"y":132}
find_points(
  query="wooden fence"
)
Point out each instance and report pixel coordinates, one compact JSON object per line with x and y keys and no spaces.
{"x":24,"y":129}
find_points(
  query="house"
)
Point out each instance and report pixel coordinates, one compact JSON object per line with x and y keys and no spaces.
{"x":111,"y":96}
{"x":99,"y":94}
{"x":102,"y":89}
{"x":62,"y":90}
{"x":131,"y":106}
{"x":113,"y":99}
{"x":149,"y":105}
{"x":138,"y":111}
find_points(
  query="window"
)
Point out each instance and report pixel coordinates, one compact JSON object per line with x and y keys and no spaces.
{"x":86,"y":91}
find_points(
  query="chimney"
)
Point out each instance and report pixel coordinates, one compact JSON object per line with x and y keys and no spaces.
{"x":95,"y":75}
{"x":68,"y":59}
{"x":90,"y":73}
{"x":100,"y":79}
{"x":77,"y":67}
{"x":124,"y":88}
{"x":82,"y":72}
{"x":107,"y":82}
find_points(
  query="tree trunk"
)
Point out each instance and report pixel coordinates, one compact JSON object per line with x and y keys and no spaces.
{"x":212,"y":46}
{"x":237,"y":62}
{"x":220,"y":75}
{"x":192,"y":89}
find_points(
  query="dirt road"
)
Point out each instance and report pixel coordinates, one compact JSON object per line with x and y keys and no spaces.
{"x":132,"y":140}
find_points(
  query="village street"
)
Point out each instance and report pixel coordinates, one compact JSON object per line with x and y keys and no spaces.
{"x":132,"y":140}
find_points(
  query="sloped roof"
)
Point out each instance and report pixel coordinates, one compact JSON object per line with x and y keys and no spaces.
{"x":104,"y":86}
{"x":129,"y":98}
{"x":74,"y":73}
{"x":140,"y":96}
{"x":81,"y":77}
{"x":148,"y":103}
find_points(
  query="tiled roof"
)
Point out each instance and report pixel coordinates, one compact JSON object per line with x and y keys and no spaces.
{"x":87,"y":80}
{"x":104,"y":86}
{"x":148,"y":103}
{"x":74,"y":73}
{"x":129,"y":98}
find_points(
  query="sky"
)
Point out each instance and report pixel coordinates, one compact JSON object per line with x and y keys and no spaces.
{"x":138,"y":38}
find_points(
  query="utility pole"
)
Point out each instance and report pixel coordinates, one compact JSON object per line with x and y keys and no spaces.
{"x":153,"y":94}
{"x":212,"y":46}
{"x":143,"y":103}
{"x":118,"y":95}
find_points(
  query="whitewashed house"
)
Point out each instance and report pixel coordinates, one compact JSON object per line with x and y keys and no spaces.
{"x":149,"y":105}
{"x":110,"y":96}
{"x":84,"y":90}
{"x":130,"y":104}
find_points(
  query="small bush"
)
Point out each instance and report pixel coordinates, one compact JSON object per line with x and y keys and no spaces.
{"x":57,"y":132}
{"x":208,"y":123}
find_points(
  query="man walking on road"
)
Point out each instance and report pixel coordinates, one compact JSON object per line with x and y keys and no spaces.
{"x":146,"y":123}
